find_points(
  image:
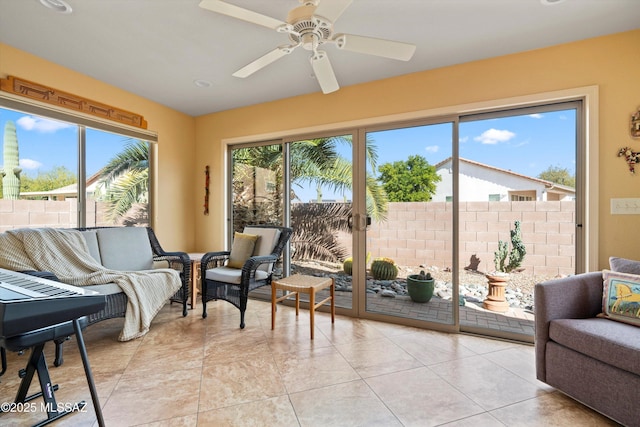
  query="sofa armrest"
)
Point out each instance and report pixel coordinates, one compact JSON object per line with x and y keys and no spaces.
{"x":574,"y":297}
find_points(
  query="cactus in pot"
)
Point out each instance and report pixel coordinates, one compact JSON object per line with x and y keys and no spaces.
{"x":384,"y":269}
{"x":420,"y":287}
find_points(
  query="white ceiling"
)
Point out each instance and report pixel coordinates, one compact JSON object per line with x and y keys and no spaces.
{"x":158,"y":48}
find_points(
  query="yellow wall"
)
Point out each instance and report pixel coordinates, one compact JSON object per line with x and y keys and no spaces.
{"x":610,"y":62}
{"x":173,"y":199}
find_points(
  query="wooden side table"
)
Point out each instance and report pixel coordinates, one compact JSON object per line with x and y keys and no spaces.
{"x":195,"y":276}
{"x":306,"y":284}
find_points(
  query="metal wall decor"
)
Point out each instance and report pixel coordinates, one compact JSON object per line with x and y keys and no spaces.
{"x":206,"y":190}
{"x":632,"y":157}
{"x":635,"y":124}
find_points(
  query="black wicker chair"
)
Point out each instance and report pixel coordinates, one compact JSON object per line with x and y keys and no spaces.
{"x":238,"y":293}
{"x":117,"y":303}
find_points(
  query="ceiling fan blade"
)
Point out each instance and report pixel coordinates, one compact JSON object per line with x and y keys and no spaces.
{"x":263,"y":61}
{"x":324,"y":72}
{"x":332,"y":9}
{"x":372,"y":46}
{"x":237,"y":12}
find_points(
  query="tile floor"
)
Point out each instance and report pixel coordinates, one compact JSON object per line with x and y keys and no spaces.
{"x":208,"y":372}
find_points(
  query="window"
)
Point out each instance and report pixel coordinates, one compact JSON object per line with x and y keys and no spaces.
{"x":96,"y":173}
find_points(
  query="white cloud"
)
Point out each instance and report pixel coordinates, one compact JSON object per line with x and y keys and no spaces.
{"x":41,"y":125}
{"x":463,"y":139}
{"x":432,"y":149}
{"x":536,"y":116}
{"x":494,"y":136}
{"x":29,"y":164}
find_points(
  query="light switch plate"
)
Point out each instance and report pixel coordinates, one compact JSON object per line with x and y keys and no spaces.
{"x":629,"y":206}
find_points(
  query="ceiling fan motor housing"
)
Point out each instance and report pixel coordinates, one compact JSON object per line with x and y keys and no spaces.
{"x":308,"y":30}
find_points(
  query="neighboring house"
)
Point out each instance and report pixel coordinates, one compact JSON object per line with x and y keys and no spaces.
{"x":67,"y":192}
{"x":480,"y":182}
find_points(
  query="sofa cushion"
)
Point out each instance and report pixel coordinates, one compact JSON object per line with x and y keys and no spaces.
{"x":106,"y":289}
{"x":623,"y":265}
{"x":241,"y":249}
{"x":91,"y":237}
{"x":621,"y":297}
{"x":125,"y":248}
{"x":614,"y":343}
{"x":231,"y":275}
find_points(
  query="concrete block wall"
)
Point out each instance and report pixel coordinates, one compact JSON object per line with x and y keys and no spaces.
{"x":417,"y":234}
{"x":48,"y":213}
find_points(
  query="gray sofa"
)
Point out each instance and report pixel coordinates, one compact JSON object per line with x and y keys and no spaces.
{"x":132,"y":249}
{"x":127,"y":249}
{"x":591,"y":359}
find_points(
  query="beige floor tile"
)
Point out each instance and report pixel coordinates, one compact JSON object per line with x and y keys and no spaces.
{"x":276,"y":411}
{"x":489,"y":385}
{"x":377,"y":357}
{"x":553,"y":410}
{"x":309,"y":369}
{"x":348,"y":404}
{"x":186,"y":421}
{"x":419,"y":397}
{"x":243,"y":380}
{"x":139,"y":399}
{"x":347,"y":330}
{"x":481,"y":420}
{"x":432,"y":347}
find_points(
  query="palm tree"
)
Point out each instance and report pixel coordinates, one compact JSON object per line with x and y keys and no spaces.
{"x":317,"y":162}
{"x":125,"y":178}
{"x":313,"y":162}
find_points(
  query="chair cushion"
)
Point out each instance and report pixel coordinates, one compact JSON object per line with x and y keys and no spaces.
{"x":91,"y":237}
{"x":231,"y":275}
{"x":242,"y":248}
{"x":268,"y":240}
{"x":125,"y":248}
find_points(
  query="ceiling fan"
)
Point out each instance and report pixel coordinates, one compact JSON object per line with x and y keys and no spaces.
{"x":309,"y":26}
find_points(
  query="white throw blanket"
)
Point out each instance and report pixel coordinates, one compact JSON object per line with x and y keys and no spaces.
{"x":65,"y":254}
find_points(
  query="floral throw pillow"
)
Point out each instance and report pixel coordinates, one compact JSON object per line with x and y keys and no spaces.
{"x":621,"y":297}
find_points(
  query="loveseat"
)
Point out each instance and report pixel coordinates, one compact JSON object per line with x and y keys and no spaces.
{"x":129,"y":250}
{"x":584,"y":354}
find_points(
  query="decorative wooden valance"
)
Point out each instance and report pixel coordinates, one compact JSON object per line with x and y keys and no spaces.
{"x":69,"y":101}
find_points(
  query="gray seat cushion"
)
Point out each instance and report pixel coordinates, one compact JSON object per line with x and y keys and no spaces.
{"x":125,"y":248}
{"x":231,"y":275}
{"x":611,"y":342}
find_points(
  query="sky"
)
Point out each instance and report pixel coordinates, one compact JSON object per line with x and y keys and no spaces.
{"x":526,"y":144}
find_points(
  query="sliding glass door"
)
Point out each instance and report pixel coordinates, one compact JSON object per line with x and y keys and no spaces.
{"x":321,"y":188}
{"x":436,"y":201}
{"x":409,"y":194}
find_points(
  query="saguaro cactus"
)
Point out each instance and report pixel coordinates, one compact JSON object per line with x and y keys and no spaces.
{"x":11,"y":169}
